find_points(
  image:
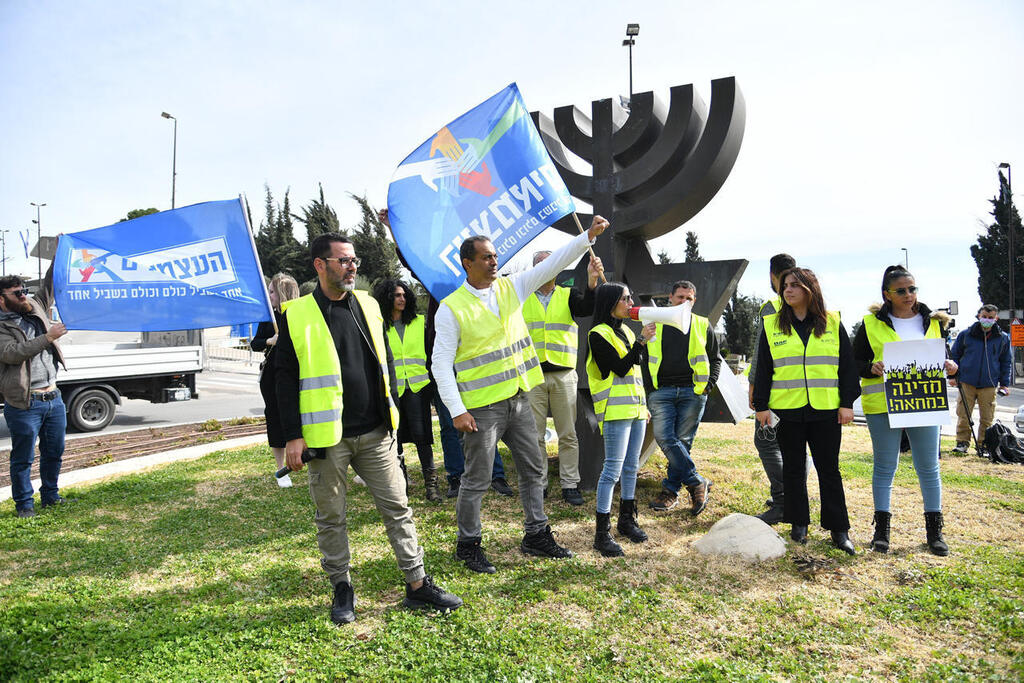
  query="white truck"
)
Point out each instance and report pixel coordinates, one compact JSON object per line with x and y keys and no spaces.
{"x":99,"y":374}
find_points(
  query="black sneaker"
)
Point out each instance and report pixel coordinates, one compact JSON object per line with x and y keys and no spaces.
{"x":572,"y":496}
{"x":961,"y":447}
{"x":59,"y":500}
{"x":25,"y":513}
{"x":342,"y":611}
{"x":501,"y":487}
{"x":542,"y":544}
{"x":430,"y":596}
{"x":472,"y":555}
{"x":453,"y":487}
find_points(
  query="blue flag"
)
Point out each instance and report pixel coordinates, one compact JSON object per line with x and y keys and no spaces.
{"x":485,"y":173}
{"x":188,"y":268}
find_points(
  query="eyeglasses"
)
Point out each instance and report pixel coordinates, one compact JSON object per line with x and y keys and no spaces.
{"x":902,"y":291}
{"x":344,"y":262}
{"x":19,"y":292}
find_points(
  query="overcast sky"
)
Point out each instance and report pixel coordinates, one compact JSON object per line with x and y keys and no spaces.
{"x":870,"y":126}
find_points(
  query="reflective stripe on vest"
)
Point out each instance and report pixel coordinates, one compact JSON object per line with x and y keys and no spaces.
{"x":320,"y":382}
{"x":771,"y":307}
{"x":553,"y":330}
{"x":872,"y":391}
{"x":697,"y":355}
{"x":410,"y":356}
{"x":495,"y":358}
{"x":616,"y":398}
{"x":804,"y":374}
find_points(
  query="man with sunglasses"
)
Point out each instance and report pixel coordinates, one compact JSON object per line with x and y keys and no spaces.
{"x":28,"y":380}
{"x":337,"y":397}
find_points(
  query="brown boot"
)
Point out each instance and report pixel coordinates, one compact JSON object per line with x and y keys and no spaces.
{"x":699,"y":494}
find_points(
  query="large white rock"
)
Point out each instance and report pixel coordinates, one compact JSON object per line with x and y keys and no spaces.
{"x":743,"y":536}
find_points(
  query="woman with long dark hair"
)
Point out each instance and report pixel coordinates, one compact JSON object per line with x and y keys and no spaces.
{"x":901,"y":317}
{"x":806,"y":376}
{"x":617,"y":388}
{"x":405,"y":330}
{"x":282,"y":288}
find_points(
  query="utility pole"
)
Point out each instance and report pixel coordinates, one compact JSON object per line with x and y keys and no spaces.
{"x":174,"y":155}
{"x":39,"y":236}
{"x":3,"y":251}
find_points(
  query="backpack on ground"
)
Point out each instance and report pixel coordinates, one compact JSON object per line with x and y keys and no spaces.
{"x":1002,"y":445}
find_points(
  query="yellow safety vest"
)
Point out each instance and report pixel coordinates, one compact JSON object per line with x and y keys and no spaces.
{"x":697,"y":355}
{"x":410,"y":354}
{"x":804,"y":373}
{"x":553,"y":330}
{"x":771,"y":307}
{"x":872,"y":391}
{"x":495,"y":359}
{"x":616,"y":398}
{"x":320,"y":381}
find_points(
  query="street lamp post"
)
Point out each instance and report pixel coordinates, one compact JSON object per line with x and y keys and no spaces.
{"x":3,"y":252}
{"x":39,"y":237}
{"x":632,"y":30}
{"x":906,"y":258}
{"x":174,"y":155}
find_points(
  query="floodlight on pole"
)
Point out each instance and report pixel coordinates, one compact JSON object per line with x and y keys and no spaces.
{"x":39,"y":237}
{"x":174,"y":155}
{"x":631,"y":31}
{"x":906,"y":258}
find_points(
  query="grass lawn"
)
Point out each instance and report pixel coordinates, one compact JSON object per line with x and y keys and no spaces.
{"x":205,"y":570}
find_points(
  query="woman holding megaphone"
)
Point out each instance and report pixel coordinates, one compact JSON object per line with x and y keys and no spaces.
{"x":617,"y":388}
{"x":806,"y":376}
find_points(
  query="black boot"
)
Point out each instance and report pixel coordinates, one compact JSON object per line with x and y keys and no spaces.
{"x":841,"y":540}
{"x":453,"y":487}
{"x":603,"y":541}
{"x":933,"y":527}
{"x":880,"y":541}
{"x":627,"y":525}
{"x":430,"y":484}
{"x":799,"y":533}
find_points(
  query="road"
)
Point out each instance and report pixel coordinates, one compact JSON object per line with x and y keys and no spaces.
{"x":222,"y":395}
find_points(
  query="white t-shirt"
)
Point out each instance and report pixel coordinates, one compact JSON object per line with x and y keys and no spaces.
{"x":908,"y":329}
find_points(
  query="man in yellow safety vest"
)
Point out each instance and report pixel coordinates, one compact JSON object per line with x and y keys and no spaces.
{"x":550,"y":314}
{"x":484,"y":363}
{"x":681,"y":370}
{"x":336,"y":395}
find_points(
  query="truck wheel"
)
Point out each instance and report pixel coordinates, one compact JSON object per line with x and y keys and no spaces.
{"x":91,"y":410}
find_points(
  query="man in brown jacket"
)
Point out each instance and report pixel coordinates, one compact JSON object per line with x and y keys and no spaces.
{"x":33,"y":408}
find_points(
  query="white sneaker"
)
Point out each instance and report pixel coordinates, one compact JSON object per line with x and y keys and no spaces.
{"x":285,"y":482}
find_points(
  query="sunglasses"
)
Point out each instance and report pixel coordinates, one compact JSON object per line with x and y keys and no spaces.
{"x":902,"y":291}
{"x":343,"y":262}
{"x":19,"y":292}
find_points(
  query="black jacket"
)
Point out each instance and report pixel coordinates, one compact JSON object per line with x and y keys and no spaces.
{"x":864,"y":356}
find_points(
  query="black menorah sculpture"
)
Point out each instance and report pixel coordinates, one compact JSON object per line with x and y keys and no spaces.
{"x":651,"y":171}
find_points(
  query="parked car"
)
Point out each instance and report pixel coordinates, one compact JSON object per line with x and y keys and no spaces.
{"x":1018,"y":419}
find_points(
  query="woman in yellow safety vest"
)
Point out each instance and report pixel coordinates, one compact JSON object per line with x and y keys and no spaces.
{"x":806,"y":377}
{"x":617,"y":388}
{"x":901,"y":317}
{"x":282,"y":288}
{"x":405,"y":331}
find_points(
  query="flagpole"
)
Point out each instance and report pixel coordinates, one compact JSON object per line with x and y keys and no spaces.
{"x":589,"y":248}
{"x":263,"y":279}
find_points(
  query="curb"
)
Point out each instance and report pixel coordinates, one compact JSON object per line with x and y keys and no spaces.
{"x":113,"y":469}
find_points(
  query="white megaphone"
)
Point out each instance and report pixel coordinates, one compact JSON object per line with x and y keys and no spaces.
{"x":676,"y":316}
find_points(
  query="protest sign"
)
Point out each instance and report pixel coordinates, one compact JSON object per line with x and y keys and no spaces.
{"x":915,"y":383}
{"x":485,"y":173}
{"x":188,"y":268}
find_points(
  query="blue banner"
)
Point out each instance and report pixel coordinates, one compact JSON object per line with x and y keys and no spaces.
{"x":485,"y":173}
{"x":189,"y":268}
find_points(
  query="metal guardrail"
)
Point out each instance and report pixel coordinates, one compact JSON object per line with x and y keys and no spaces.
{"x":232,"y":349}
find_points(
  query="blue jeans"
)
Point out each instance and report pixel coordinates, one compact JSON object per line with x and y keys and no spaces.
{"x":675,"y":414}
{"x":46,"y":420}
{"x":451,"y":446}
{"x":623,"y":440}
{"x":924,"y":448}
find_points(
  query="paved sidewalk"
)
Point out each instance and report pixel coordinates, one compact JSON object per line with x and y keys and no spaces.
{"x":113,"y":469}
